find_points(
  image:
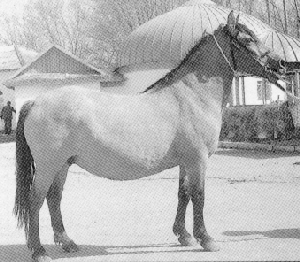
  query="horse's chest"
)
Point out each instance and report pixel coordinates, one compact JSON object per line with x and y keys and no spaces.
{"x":202,"y":116}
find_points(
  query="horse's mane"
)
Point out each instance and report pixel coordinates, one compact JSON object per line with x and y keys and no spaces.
{"x":165,"y":80}
{"x":169,"y":77}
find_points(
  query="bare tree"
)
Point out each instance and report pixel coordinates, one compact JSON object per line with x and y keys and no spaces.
{"x":95,"y":29}
{"x":298,"y":18}
{"x":285,"y":16}
{"x":268,"y":11}
{"x":113,"y":21}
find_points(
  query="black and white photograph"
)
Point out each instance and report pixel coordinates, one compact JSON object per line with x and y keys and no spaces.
{"x":149,"y":130}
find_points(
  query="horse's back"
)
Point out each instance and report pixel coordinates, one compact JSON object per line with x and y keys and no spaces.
{"x":119,"y":137}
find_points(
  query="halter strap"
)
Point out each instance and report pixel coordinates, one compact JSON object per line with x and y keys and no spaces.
{"x":225,"y":57}
{"x":289,"y":94}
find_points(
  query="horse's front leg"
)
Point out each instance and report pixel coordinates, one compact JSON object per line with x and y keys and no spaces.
{"x":196,"y":174}
{"x":179,"y":230}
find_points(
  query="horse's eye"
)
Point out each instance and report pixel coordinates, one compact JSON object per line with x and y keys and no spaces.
{"x":246,"y":41}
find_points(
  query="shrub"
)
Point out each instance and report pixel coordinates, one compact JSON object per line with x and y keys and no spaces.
{"x":250,"y":123}
{"x":239,"y":124}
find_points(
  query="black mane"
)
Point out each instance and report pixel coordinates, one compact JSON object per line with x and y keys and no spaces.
{"x":171,"y":75}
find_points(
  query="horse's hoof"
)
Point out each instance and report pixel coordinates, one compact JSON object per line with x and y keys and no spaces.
{"x":187,"y":241}
{"x":43,"y":258}
{"x":209,"y":245}
{"x":66,"y":243}
{"x":71,"y":247}
{"x":40,"y":255}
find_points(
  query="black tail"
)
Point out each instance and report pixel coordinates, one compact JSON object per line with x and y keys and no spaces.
{"x":24,"y":171}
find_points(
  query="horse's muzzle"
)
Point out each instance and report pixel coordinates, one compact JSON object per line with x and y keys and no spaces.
{"x":276,"y":65}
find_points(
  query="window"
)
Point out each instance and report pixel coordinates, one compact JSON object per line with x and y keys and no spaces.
{"x":264,"y":93}
{"x":259,"y":90}
{"x":268,"y":91}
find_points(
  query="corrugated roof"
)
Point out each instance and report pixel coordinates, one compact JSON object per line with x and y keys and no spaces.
{"x":168,"y":38}
{"x":33,"y":79}
{"x":12,"y":57}
{"x":44,"y":69}
{"x":53,"y":50}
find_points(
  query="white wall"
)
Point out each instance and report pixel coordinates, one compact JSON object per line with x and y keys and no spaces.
{"x":251,"y":91}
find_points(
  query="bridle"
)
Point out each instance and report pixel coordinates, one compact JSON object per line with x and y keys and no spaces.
{"x":233,"y":66}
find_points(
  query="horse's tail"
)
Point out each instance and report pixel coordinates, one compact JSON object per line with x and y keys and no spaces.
{"x":24,"y":171}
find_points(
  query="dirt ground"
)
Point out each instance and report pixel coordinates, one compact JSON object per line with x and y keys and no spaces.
{"x":252,"y":210}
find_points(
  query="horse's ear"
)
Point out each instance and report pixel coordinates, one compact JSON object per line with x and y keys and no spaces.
{"x":237,"y":19}
{"x":231,"y":22}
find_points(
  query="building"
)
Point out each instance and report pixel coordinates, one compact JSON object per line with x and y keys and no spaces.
{"x":159,"y":45}
{"x":12,"y":58}
{"x":53,"y":69}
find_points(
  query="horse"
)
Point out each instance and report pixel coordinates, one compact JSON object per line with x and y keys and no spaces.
{"x":175,"y":122}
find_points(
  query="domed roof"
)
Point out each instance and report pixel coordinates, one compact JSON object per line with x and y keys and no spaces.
{"x":288,"y":48}
{"x":199,"y":2}
{"x":167,"y":38}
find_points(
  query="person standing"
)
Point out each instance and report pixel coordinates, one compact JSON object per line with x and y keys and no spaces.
{"x":7,"y":116}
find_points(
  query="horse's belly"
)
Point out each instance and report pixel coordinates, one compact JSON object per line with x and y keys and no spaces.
{"x":120,"y":170}
{"x":113,"y":164}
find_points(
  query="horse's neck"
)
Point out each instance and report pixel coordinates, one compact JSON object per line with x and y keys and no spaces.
{"x":204,"y":56}
{"x":199,"y":91}
{"x":202,"y":79}
{"x":200,"y":70}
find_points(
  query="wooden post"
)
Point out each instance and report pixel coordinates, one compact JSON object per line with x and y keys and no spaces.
{"x":237,"y":91}
{"x":232,"y":102}
{"x":243,"y":91}
{"x":297,"y":83}
{"x":263,"y":90}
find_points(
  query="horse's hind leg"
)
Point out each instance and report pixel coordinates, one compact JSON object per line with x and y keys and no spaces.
{"x":179,"y":230}
{"x":54,"y":197}
{"x":41,"y":184}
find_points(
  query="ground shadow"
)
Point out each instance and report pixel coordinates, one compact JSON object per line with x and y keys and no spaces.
{"x":254,"y":154}
{"x":277,"y":233}
{"x":20,"y":253}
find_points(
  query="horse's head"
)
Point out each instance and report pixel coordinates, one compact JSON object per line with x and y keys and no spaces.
{"x":248,"y":54}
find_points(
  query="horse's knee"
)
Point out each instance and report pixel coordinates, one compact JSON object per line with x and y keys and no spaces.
{"x":54,"y":195}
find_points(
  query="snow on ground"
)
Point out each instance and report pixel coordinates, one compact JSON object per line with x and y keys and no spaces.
{"x":252,"y":210}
